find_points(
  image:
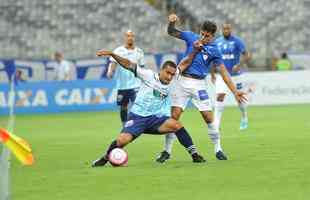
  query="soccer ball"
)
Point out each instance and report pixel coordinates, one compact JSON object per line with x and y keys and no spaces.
{"x":118,"y":157}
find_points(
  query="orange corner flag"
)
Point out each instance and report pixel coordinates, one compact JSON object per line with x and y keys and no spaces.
{"x":18,"y":146}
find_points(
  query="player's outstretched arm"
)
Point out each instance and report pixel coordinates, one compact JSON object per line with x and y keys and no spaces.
{"x":173,"y":18}
{"x":122,"y":61}
{"x":239,"y":96}
{"x":187,"y":61}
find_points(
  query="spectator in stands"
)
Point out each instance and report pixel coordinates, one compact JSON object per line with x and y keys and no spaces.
{"x":19,"y":76}
{"x":284,"y":63}
{"x":62,"y":67}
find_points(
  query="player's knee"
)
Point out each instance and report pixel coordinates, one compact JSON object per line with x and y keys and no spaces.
{"x":123,"y":139}
{"x":207,"y":116}
{"x":220,"y":97}
{"x":176,"y":113}
{"x":177,"y":126}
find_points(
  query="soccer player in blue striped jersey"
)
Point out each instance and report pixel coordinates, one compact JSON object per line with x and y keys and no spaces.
{"x":149,"y":111}
{"x":234,"y":55}
{"x":191,"y":84}
{"x":126,"y":83}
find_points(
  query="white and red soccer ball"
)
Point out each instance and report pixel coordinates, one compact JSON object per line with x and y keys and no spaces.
{"x":118,"y":157}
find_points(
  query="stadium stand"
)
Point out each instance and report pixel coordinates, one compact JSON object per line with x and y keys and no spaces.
{"x":79,"y":28}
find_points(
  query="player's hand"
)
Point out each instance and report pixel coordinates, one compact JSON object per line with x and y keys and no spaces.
{"x":198,"y":45}
{"x":173,"y":18}
{"x":240,"y":97}
{"x":236,"y":68}
{"x":103,"y":52}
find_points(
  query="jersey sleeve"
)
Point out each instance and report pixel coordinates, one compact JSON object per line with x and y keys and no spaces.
{"x":143,"y":73}
{"x":186,"y":36}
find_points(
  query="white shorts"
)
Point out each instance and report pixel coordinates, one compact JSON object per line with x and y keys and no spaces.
{"x":221,"y":87}
{"x":185,"y":89}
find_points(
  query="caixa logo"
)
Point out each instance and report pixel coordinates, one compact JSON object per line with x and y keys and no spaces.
{"x":63,"y":97}
{"x":24,"y":98}
{"x":87,"y":96}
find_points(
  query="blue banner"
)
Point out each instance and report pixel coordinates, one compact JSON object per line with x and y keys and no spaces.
{"x":54,"y":96}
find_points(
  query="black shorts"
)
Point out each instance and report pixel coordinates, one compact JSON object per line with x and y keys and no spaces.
{"x":126,"y":96}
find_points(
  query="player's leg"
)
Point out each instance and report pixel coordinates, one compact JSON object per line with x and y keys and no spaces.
{"x":219,"y":108}
{"x":202,"y":102}
{"x":221,"y":91}
{"x":214,"y":134}
{"x":170,"y":137}
{"x":244,"y":123}
{"x":242,"y":106}
{"x":168,"y":144}
{"x":180,"y":98}
{"x":122,"y":140}
{"x":132,"y":129}
{"x":171,"y":125}
{"x":122,"y":102}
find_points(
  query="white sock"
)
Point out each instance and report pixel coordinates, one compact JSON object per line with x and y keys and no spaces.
{"x":218,"y":110}
{"x":244,"y":113}
{"x":214,"y":135}
{"x":169,"y":139}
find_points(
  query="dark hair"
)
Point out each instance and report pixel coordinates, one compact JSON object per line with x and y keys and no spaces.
{"x":169,"y":63}
{"x":284,"y":55}
{"x":209,"y":26}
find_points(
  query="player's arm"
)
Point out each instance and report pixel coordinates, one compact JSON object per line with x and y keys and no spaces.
{"x":187,"y":61}
{"x":125,"y":63}
{"x":172,"y":30}
{"x":245,"y":55}
{"x":213,"y":76}
{"x":240,"y":96}
{"x":111,"y":69}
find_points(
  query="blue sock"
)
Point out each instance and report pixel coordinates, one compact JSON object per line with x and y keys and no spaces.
{"x":186,"y":140}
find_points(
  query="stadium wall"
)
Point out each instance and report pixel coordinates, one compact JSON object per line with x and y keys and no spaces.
{"x":273,"y":88}
{"x":54,"y":96}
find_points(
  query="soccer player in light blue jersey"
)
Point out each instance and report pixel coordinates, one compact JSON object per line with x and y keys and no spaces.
{"x":234,"y":55}
{"x":126,"y":83}
{"x":149,"y":111}
{"x":191,"y":84}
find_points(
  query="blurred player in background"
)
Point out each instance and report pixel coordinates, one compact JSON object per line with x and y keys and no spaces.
{"x":148,"y":113}
{"x":191,"y":85}
{"x":126,"y":83}
{"x":62,"y":67}
{"x":234,"y":55}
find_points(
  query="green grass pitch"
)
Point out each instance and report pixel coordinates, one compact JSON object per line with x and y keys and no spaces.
{"x":270,"y":160}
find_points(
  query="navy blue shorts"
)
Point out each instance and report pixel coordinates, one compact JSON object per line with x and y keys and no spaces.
{"x":136,"y":125}
{"x":126,"y":96}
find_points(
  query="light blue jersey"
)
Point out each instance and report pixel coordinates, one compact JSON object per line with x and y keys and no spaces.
{"x":125,"y":79}
{"x":231,"y":49}
{"x":153,"y":96}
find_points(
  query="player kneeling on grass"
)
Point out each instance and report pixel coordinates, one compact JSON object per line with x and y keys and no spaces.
{"x":152,"y":101}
